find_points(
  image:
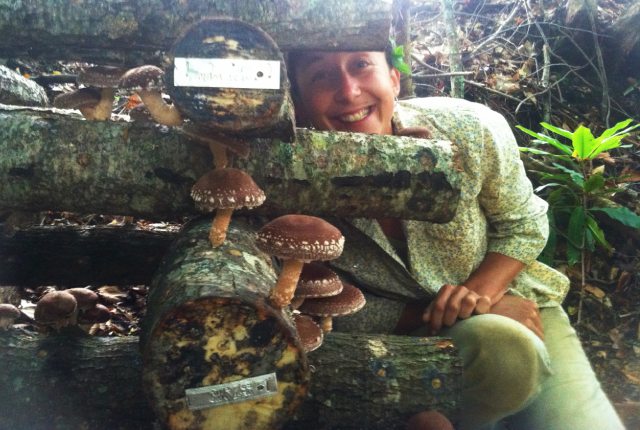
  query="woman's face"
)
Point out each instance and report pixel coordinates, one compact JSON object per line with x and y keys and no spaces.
{"x":346,"y":91}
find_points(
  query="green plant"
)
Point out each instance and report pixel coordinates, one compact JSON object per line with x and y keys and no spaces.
{"x":397,"y":58}
{"x":576,"y":190}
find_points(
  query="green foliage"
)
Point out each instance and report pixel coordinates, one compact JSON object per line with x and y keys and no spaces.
{"x":572,"y":186}
{"x":397,"y":58}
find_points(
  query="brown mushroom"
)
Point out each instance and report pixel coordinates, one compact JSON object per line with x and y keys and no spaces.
{"x":429,"y":420}
{"x":84,"y":99}
{"x":223,"y":191}
{"x":97,"y":314}
{"x":297,"y":239}
{"x":309,"y":332}
{"x":317,"y":280}
{"x":8,"y":315}
{"x":106,"y":79}
{"x":349,"y":301}
{"x":85,"y":298}
{"x":147,"y":81}
{"x":56,"y":309}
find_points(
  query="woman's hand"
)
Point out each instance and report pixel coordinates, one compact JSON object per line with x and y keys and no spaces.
{"x":522,"y":310}
{"x":452,"y":303}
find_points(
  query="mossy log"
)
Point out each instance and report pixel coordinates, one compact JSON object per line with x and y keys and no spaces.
{"x":208,"y":323}
{"x":378,"y":381}
{"x":62,"y":382}
{"x":76,"y":256}
{"x":71,"y":382}
{"x":138,"y":32}
{"x":58,"y":161}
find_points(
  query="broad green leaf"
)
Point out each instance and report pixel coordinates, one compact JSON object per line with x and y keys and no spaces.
{"x":561,"y":131}
{"x":548,"y":253}
{"x":612,"y":130}
{"x":597,"y":233}
{"x":582,"y":142}
{"x":589,"y":241}
{"x":622,"y":214}
{"x":575,"y":176}
{"x":546,"y":139}
{"x":594,"y":182}
{"x":575,"y":235}
{"x":534,"y":151}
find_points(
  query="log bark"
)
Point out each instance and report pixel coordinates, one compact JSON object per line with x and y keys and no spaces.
{"x":139,"y":32}
{"x":208,"y":323}
{"x":71,"y":383}
{"x":43,"y":382}
{"x":18,"y":90}
{"x":377,"y":382}
{"x":76,"y":256}
{"x":55,"y":161}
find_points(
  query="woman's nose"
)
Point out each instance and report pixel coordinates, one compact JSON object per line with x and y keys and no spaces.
{"x":348,"y":87}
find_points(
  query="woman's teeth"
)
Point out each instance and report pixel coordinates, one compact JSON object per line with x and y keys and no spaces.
{"x":357,"y":116}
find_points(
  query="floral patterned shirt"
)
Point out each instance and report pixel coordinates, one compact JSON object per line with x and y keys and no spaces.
{"x":498,"y":210}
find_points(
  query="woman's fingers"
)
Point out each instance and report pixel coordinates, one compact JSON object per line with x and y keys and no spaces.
{"x":453,"y":303}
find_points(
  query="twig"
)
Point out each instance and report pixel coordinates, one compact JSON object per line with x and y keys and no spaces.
{"x":455,"y":63}
{"x":442,"y":74}
{"x":606,"y":102}
{"x":491,"y":90}
{"x":498,"y":31}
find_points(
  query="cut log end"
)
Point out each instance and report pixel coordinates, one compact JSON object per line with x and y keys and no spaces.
{"x":208,"y":342}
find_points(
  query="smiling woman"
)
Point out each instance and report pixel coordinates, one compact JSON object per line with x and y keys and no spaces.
{"x":345,"y":91}
{"x":522,"y":361}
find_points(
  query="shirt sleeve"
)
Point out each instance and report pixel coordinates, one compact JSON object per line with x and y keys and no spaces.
{"x":518,"y":225}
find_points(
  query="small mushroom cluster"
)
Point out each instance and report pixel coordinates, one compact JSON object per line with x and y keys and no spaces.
{"x":8,"y":315}
{"x":95,"y":98}
{"x":300,"y":241}
{"x":58,"y":309}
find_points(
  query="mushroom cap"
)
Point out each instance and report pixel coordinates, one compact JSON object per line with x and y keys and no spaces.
{"x":9,"y":311}
{"x":300,"y":237}
{"x":349,"y":301}
{"x":77,"y":99}
{"x":85,"y":298}
{"x":226,"y":188}
{"x":97,"y":314}
{"x":317,"y":280}
{"x":143,"y":78}
{"x":100,"y":76}
{"x":54,"y":307}
{"x":309,"y":332}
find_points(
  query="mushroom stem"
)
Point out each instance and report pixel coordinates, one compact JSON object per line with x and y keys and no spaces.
{"x":220,"y":159}
{"x":285,"y":287}
{"x":161,"y":112}
{"x":102,"y":110}
{"x":219,"y":227}
{"x":326,"y":324}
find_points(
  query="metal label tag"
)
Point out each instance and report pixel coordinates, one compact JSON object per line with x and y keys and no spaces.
{"x":232,"y":392}
{"x":226,"y":73}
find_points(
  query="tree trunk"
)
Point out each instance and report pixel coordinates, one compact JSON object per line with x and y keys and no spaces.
{"x":69,"y":382}
{"x":76,"y":256}
{"x":208,"y":323}
{"x":52,"y":161}
{"x":44,"y":382}
{"x":139,"y":32}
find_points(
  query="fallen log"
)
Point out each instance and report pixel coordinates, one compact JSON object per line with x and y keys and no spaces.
{"x":71,"y":382}
{"x":209,"y":323}
{"x":134,"y":33}
{"x":76,"y":256}
{"x":377,"y":382}
{"x":58,"y":161}
{"x":89,"y":382}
